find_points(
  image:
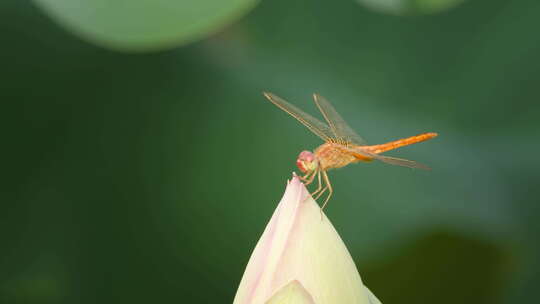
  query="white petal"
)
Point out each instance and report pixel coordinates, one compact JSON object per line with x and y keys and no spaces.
{"x":372,"y":298}
{"x":298,"y":245}
{"x":292,"y":293}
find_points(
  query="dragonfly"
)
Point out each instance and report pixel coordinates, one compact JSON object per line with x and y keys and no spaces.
{"x":342,"y":145}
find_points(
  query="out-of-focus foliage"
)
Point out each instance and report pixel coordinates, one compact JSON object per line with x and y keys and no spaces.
{"x":139,"y":25}
{"x":144,"y":178}
{"x":408,"y":7}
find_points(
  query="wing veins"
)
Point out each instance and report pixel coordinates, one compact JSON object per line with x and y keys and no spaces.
{"x":391,"y":160}
{"x":325,"y":115}
{"x":339,"y":126}
{"x":313,"y":124}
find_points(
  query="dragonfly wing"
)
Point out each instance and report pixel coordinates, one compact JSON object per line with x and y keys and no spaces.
{"x":316,"y":126}
{"x":402,"y":162}
{"x":390,"y":160}
{"x":337,"y":124}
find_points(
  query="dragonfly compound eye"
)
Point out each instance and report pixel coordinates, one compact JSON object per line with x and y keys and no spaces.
{"x":305,"y":161}
{"x":301,"y":165}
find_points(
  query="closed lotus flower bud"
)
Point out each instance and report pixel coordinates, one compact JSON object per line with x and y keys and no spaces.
{"x":300,"y":258}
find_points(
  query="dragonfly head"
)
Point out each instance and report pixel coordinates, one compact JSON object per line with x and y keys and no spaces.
{"x":306,"y":162}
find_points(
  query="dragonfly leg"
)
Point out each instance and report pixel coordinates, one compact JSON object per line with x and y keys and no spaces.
{"x":305,"y":177}
{"x":321,"y":192}
{"x":309,"y":179}
{"x":319,"y":188}
{"x":330,"y":189}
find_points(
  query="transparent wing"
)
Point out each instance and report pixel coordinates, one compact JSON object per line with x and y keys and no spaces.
{"x":337,"y":124}
{"x":390,"y":160}
{"x":316,"y":126}
{"x":402,"y":162}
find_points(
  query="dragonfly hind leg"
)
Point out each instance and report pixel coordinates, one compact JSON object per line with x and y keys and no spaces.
{"x":319,"y":188}
{"x":323,"y":190}
{"x":330,"y":189}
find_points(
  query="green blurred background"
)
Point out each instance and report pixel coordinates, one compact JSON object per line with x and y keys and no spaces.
{"x":145,"y":173}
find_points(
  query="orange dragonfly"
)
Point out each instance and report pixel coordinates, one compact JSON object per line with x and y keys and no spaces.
{"x":342,"y":145}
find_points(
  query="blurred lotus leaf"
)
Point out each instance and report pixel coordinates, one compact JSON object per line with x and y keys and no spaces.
{"x":410,"y":7}
{"x":143,"y":25}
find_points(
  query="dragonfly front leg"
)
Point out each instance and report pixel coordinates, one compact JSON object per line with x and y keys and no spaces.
{"x":307,"y":178}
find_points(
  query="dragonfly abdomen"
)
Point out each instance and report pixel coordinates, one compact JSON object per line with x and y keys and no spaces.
{"x":399,"y":143}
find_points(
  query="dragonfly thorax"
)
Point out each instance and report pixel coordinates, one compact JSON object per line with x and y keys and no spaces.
{"x":307,"y":162}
